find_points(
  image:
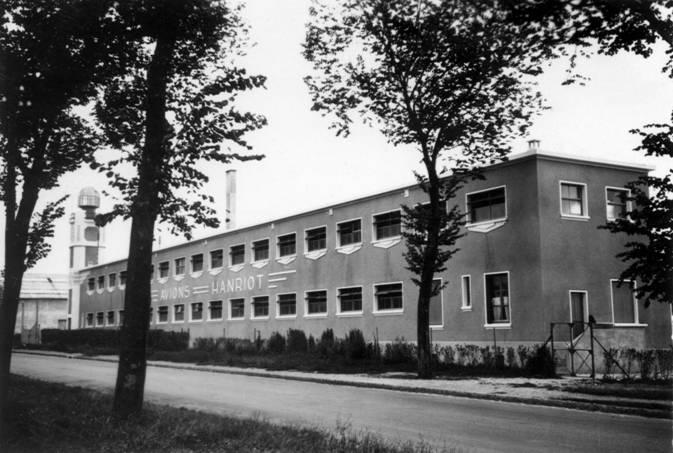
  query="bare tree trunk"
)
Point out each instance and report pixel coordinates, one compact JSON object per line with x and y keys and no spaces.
{"x":130,"y":386}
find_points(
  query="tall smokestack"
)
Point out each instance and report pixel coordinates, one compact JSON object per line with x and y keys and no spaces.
{"x":231,"y":199}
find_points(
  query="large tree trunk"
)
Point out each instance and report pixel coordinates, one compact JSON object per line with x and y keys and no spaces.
{"x":130,"y":386}
{"x":424,"y":347}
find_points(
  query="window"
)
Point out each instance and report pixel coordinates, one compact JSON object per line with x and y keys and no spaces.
{"x":466,"y":290}
{"x":497,"y":298}
{"x":616,"y":203}
{"x":178,"y":313}
{"x":260,"y":250}
{"x":111,"y":281}
{"x":197,"y":312}
{"x":236,"y":255}
{"x":287,"y":304}
{"x":110,"y":319}
{"x":91,"y":284}
{"x":236,"y":308}
{"x":122,"y":278}
{"x":197,"y":262}
{"x":316,"y":302}
{"x":316,"y":239}
{"x":121,"y":317}
{"x":573,"y":200}
{"x":89,"y":319}
{"x":162,"y":312}
{"x":287,"y":245}
{"x":216,"y":258}
{"x":436,"y":315}
{"x":101,"y":282}
{"x":349,"y":232}
{"x":260,"y":307}
{"x":179,"y":266}
{"x":486,"y":205}
{"x":388,"y":296}
{"x":151,"y":271}
{"x":350,"y":300}
{"x":100,"y":318}
{"x":163,"y":269}
{"x":387,"y":225}
{"x":215,"y":310}
{"x":624,"y":302}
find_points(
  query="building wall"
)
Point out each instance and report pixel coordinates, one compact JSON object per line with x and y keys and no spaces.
{"x":48,"y":313}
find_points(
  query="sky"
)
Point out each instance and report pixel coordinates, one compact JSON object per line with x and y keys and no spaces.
{"x":306,"y":166}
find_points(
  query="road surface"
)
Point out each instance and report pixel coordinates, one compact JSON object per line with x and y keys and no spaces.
{"x":470,"y":424}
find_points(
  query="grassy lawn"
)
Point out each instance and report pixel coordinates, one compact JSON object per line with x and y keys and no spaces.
{"x":53,"y":417}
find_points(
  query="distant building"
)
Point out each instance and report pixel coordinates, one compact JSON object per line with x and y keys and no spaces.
{"x":532,"y":255}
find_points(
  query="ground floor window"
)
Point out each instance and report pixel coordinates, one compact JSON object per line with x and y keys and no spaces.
{"x":215,"y":310}
{"x":236,"y":309}
{"x":121,"y":317}
{"x":89,"y":319}
{"x":497,"y":298}
{"x":110,"y":321}
{"x":100,"y":318}
{"x":350,"y":300}
{"x":162,"y":313}
{"x":197,"y":311}
{"x":316,"y":302}
{"x":260,"y":307}
{"x":624,"y":302}
{"x":466,"y":291}
{"x":178,"y":313}
{"x":287,"y":304}
{"x":388,"y":296}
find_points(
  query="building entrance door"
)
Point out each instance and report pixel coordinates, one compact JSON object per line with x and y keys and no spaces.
{"x":578,"y":311}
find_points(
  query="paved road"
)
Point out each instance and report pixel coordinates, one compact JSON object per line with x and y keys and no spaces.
{"x":475,"y":425}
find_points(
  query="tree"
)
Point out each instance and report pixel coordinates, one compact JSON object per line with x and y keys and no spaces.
{"x":174,"y":109}
{"x":451,"y":78}
{"x":54,"y":54}
{"x":607,"y":27}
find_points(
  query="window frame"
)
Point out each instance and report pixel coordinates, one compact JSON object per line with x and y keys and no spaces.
{"x":585,"y":200}
{"x":175,"y":266}
{"x":184,"y":318}
{"x":499,"y":325}
{"x":469,"y":222}
{"x":122,"y":274}
{"x":101,"y":282}
{"x":229,"y":309}
{"x":291,"y":316}
{"x":101,"y":315}
{"x":120,"y":317}
{"x":191,"y":263}
{"x":387,"y":311}
{"x":210,"y":259}
{"x":466,"y":306}
{"x":114,"y":318}
{"x":441,"y":305}
{"x":354,"y":313}
{"x":191,"y":312}
{"x":111,"y":281}
{"x":268,"y":307}
{"x":168,"y":270}
{"x":375,"y":238}
{"x":636,"y":314}
{"x":586,"y":303}
{"x":306,"y":230}
{"x":253,"y":258}
{"x":90,"y":319}
{"x":291,"y":255}
{"x":337,"y":234}
{"x":91,"y":284}
{"x":322,"y":314}
{"x":627,"y":204}
{"x":168,"y":314}
{"x":210,"y":310}
{"x":230,"y":255}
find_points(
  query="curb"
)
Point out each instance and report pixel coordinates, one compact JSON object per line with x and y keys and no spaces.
{"x":570,"y":403}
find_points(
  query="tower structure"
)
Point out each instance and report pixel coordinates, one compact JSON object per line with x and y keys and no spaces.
{"x":87,"y":241}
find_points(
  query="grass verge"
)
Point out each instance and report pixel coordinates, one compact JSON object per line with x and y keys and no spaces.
{"x":54,"y":417}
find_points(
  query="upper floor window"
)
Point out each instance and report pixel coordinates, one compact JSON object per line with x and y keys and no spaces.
{"x":388,"y":296}
{"x":260,"y":250}
{"x":91,"y":284}
{"x":616,"y":202}
{"x":122,"y":278}
{"x":164,"y":267}
{"x":486,"y":205}
{"x":497,"y":298}
{"x":387,"y":225}
{"x":236,"y":255}
{"x":316,"y":239}
{"x":179,"y":266}
{"x":112,"y":280}
{"x":287,"y":245}
{"x":573,"y":199}
{"x":197,"y":262}
{"x":349,"y":232}
{"x":216,"y":258}
{"x":101,"y":282}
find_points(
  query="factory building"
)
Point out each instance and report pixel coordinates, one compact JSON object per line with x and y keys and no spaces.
{"x":532,"y":254}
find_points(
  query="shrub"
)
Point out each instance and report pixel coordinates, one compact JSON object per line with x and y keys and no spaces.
{"x":325,"y":346}
{"x":665,"y":360}
{"x":511,"y":357}
{"x":276,"y":343}
{"x":311,"y":344}
{"x":205,"y":344}
{"x":646,"y":362}
{"x":540,"y":362}
{"x":163,"y":340}
{"x":296,"y":341}
{"x":68,"y":340}
{"x":355,"y":345}
{"x":400,"y":352}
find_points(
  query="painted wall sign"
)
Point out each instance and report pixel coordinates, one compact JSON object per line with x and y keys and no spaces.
{"x":217,"y":287}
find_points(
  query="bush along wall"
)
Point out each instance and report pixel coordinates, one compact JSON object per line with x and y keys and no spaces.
{"x":644,"y":364}
{"x":107,"y":340}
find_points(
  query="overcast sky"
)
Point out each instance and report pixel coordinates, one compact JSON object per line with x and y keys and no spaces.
{"x":307,"y":167}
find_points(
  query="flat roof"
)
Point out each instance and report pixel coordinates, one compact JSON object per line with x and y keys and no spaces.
{"x":512,"y":159}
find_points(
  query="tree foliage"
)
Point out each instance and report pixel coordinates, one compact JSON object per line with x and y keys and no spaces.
{"x":453,"y":79}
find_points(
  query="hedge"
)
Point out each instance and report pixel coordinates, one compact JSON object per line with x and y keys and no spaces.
{"x":68,"y":340}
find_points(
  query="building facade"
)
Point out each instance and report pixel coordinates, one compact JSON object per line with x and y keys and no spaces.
{"x":532,"y":254}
